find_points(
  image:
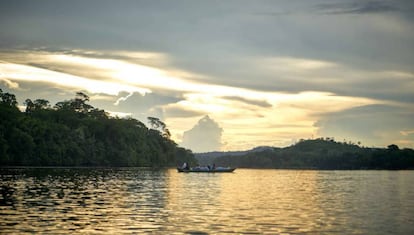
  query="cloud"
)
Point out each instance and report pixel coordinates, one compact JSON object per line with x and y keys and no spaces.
{"x":291,"y":63}
{"x":260,"y":103}
{"x":355,"y":7}
{"x":119,"y":114}
{"x":407,"y":132}
{"x":10,"y":84}
{"x":140,"y":106}
{"x":179,"y":100}
{"x":176,"y":111}
{"x":301,"y":74}
{"x":373,"y":125}
{"x":205,"y":136}
{"x":121,"y":99}
{"x":291,"y":116}
{"x":18,"y":72}
{"x":304,"y":61}
{"x":92,"y":65}
{"x":288,"y":74}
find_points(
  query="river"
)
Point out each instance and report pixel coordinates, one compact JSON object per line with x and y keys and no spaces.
{"x":248,"y":201}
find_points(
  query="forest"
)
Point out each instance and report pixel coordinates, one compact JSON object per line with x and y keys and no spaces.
{"x":323,"y":154}
{"x":74,"y":133}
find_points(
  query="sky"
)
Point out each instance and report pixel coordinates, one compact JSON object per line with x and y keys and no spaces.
{"x":223,"y":74}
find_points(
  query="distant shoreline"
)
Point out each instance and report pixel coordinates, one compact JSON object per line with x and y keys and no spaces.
{"x":164,"y":168}
{"x":81,"y":167}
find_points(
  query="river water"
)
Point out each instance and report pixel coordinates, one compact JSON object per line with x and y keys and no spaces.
{"x":133,"y":201}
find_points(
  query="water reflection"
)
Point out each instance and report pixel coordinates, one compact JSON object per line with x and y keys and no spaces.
{"x":361,"y":201}
{"x":107,"y":201}
{"x":82,"y":200}
{"x":194,"y":201}
{"x":249,"y":201}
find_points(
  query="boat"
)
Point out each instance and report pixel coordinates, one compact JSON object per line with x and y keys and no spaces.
{"x":206,"y":170}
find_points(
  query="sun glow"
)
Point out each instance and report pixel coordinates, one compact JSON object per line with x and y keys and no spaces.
{"x":248,"y":117}
{"x":246,"y":125}
{"x":19,"y":72}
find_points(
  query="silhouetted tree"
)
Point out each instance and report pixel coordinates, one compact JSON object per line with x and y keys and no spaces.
{"x":38,"y":104}
{"x":157,"y":124}
{"x":324,"y":154}
{"x":8,"y":99}
{"x":76,"y":134}
{"x":393,"y":147}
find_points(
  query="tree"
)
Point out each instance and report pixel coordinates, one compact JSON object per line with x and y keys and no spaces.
{"x":41,"y":104}
{"x":98,"y":114}
{"x":38,"y":104}
{"x":30,"y":107}
{"x":78,"y":104}
{"x":76,"y":134}
{"x":157,"y":124}
{"x":8,"y":99}
{"x":393,"y":147}
{"x":63,"y":105}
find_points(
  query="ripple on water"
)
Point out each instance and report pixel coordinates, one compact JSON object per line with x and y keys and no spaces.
{"x":62,"y":201}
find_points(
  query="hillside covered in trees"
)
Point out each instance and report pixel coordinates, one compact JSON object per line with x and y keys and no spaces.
{"x":323,"y":154}
{"x":73,"y":133}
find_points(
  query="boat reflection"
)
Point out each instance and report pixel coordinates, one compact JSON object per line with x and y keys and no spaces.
{"x":243,"y":202}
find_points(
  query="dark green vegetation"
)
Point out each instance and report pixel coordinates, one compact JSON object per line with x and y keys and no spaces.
{"x":73,"y":133}
{"x":321,"y":154}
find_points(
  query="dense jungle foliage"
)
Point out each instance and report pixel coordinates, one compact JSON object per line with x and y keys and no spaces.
{"x":324,"y":154}
{"x":73,"y":133}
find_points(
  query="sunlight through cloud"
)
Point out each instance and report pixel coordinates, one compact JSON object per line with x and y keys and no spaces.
{"x":19,"y":72}
{"x":249,"y":117}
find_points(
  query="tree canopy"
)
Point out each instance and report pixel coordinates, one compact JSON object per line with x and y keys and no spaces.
{"x":74,"y":133}
{"x":324,"y":154}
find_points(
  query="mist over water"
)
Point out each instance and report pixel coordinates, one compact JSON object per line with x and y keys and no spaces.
{"x":133,"y":200}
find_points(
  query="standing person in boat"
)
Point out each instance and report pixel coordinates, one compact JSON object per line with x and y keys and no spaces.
{"x":185,"y":166}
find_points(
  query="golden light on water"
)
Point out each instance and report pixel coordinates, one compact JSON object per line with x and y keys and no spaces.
{"x":260,"y":201}
{"x":135,"y":200}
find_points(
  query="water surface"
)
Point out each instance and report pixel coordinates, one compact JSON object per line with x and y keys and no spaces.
{"x":133,"y":200}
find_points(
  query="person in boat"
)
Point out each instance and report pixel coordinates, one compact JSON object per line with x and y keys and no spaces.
{"x":185,"y":166}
